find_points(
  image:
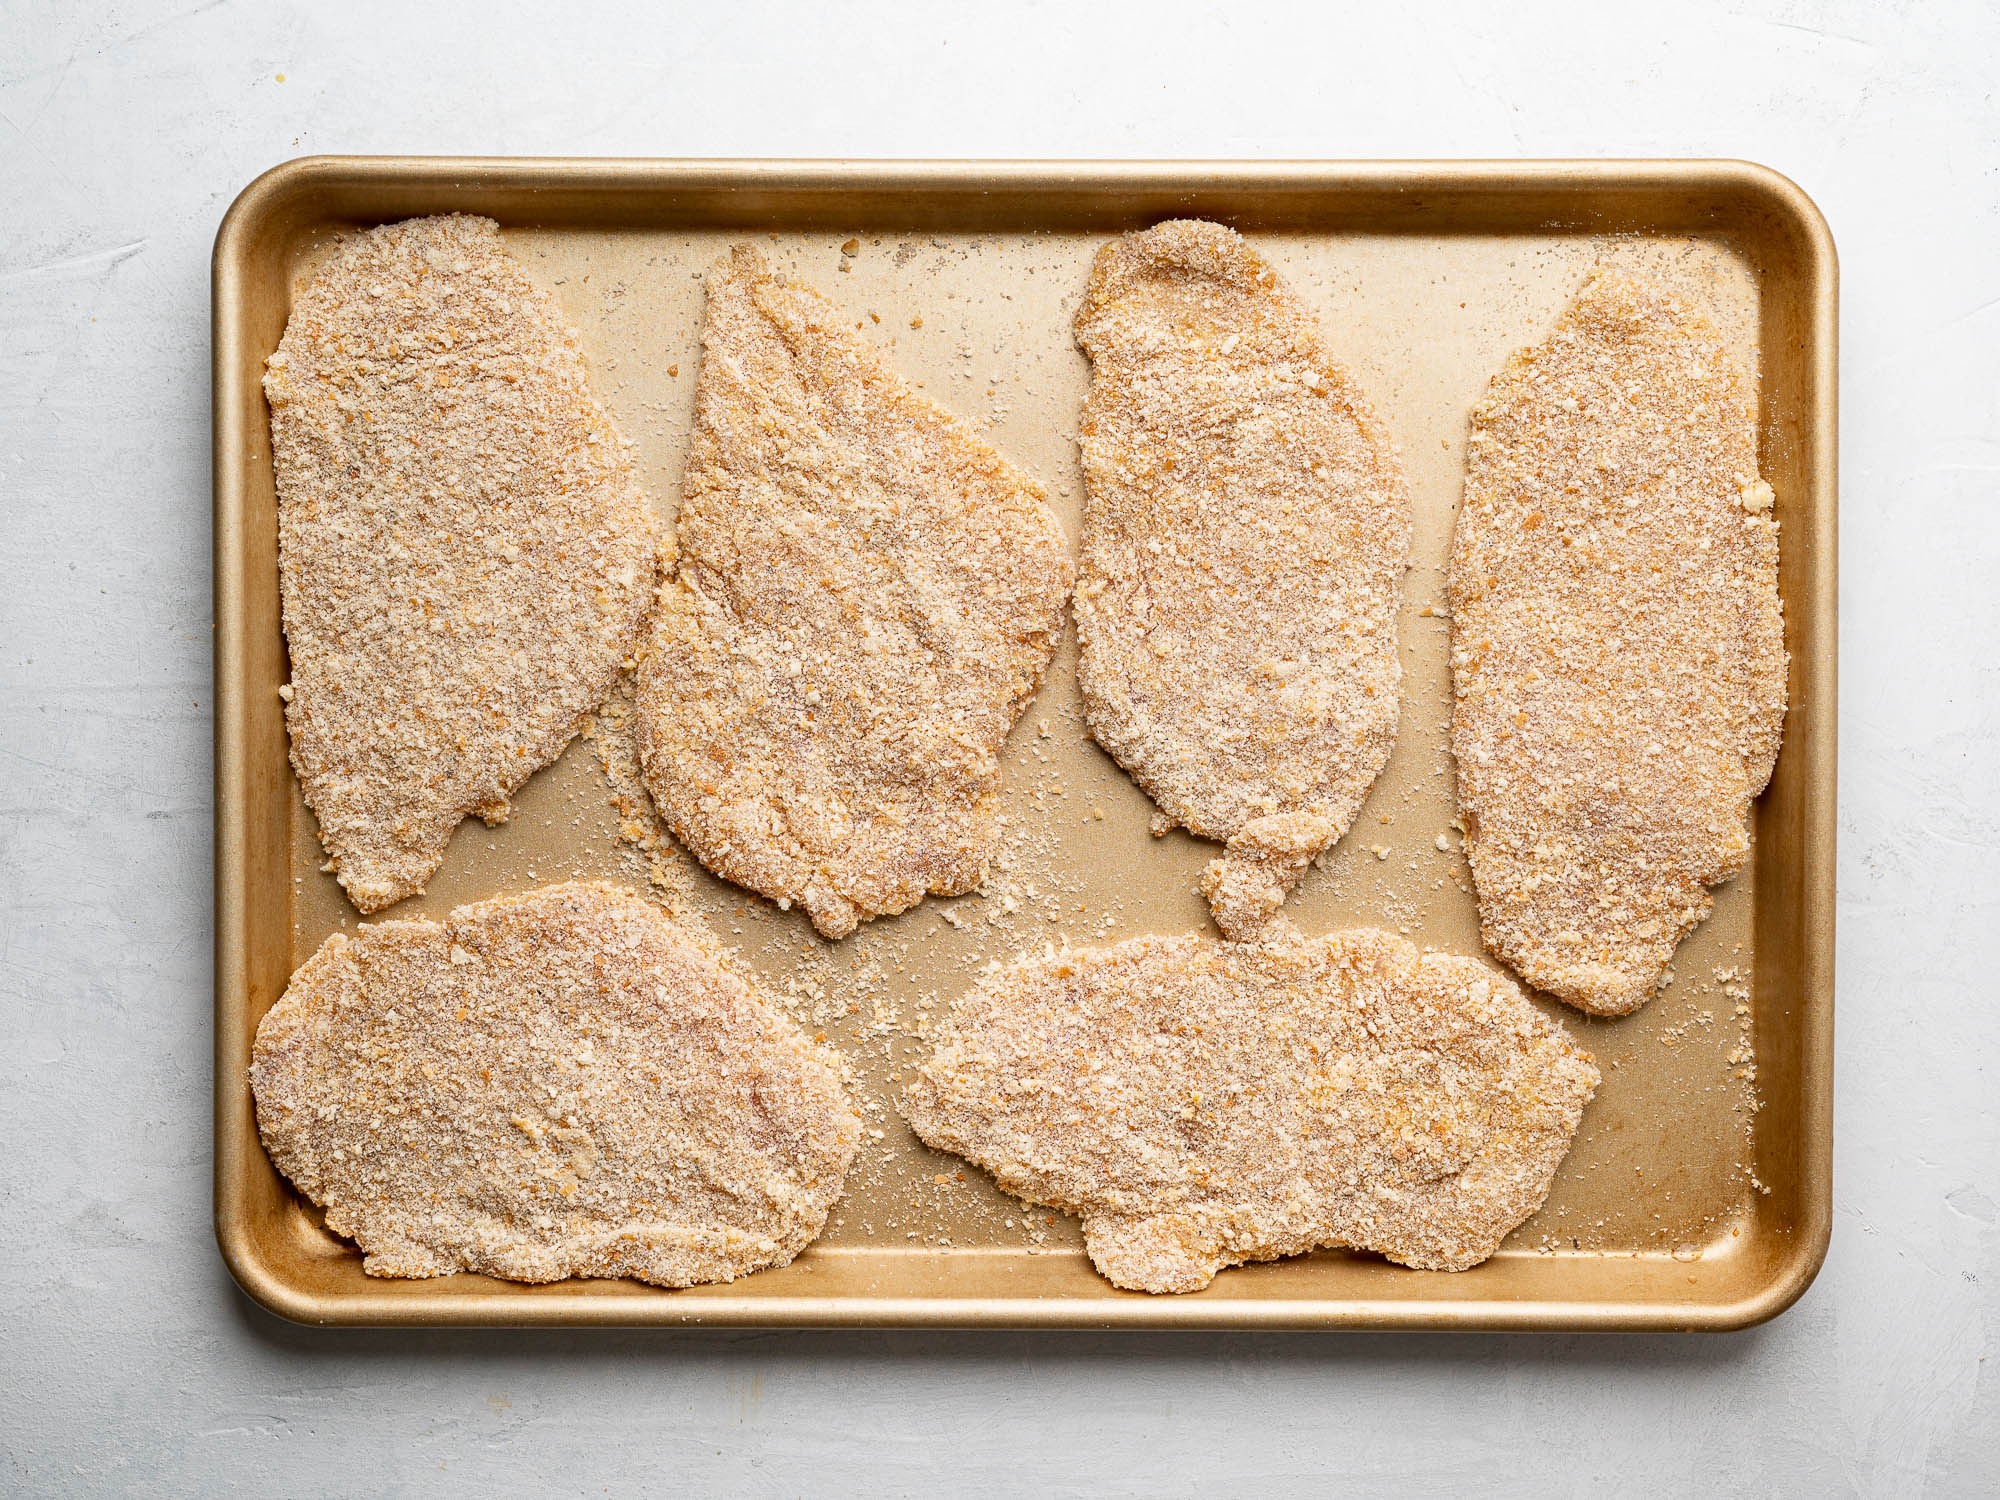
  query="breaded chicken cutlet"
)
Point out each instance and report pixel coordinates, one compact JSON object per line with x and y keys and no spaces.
{"x":560,"y":1083}
{"x":1618,"y":648}
{"x":1202,"y":1104}
{"x":866,"y":599}
{"x":1244,"y":543}
{"x":464,"y":550}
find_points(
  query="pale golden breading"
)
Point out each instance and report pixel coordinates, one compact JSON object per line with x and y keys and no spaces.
{"x":1244,"y":543}
{"x":558,"y":1083}
{"x":1201,"y":1104}
{"x":867,"y":597}
{"x":464,"y":549}
{"x":1617,"y":643}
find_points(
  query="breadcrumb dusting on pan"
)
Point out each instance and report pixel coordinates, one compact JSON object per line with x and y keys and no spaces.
{"x":643,"y":837}
{"x":867,"y":598}
{"x":1201,"y":1104}
{"x":560,"y":1083}
{"x":1618,"y":659}
{"x":465,"y":553}
{"x":1244,"y":542}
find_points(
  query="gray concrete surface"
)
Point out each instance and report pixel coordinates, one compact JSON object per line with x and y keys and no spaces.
{"x":129,"y":1365}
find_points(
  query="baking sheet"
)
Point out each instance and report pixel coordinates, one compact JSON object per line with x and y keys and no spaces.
{"x":1696,"y":1192}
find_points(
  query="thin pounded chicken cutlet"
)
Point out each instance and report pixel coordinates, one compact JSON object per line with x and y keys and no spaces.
{"x":1244,"y":543}
{"x":464,"y":550}
{"x":867,"y":597}
{"x":560,"y":1083}
{"x":1617,"y":642}
{"x":1202,"y":1104}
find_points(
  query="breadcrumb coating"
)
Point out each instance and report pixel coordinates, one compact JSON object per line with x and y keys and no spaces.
{"x":559,"y":1083}
{"x":867,"y":598}
{"x":1201,"y":1104}
{"x":464,"y":550}
{"x":1618,"y":654}
{"x":1244,"y":544}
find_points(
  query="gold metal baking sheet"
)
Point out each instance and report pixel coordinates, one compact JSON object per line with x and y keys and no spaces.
{"x":1698,"y":1194}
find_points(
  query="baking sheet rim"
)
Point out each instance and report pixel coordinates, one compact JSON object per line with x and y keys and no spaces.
{"x":235,"y":1132}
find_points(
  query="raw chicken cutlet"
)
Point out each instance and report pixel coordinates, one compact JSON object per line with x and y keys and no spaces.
{"x":1618,"y":648}
{"x":464,"y":550}
{"x":1202,"y":1104}
{"x":867,"y":597}
{"x":1244,"y":542}
{"x":560,"y":1083}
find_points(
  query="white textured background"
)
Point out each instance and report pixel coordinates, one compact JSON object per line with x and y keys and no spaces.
{"x":130,"y":1365}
